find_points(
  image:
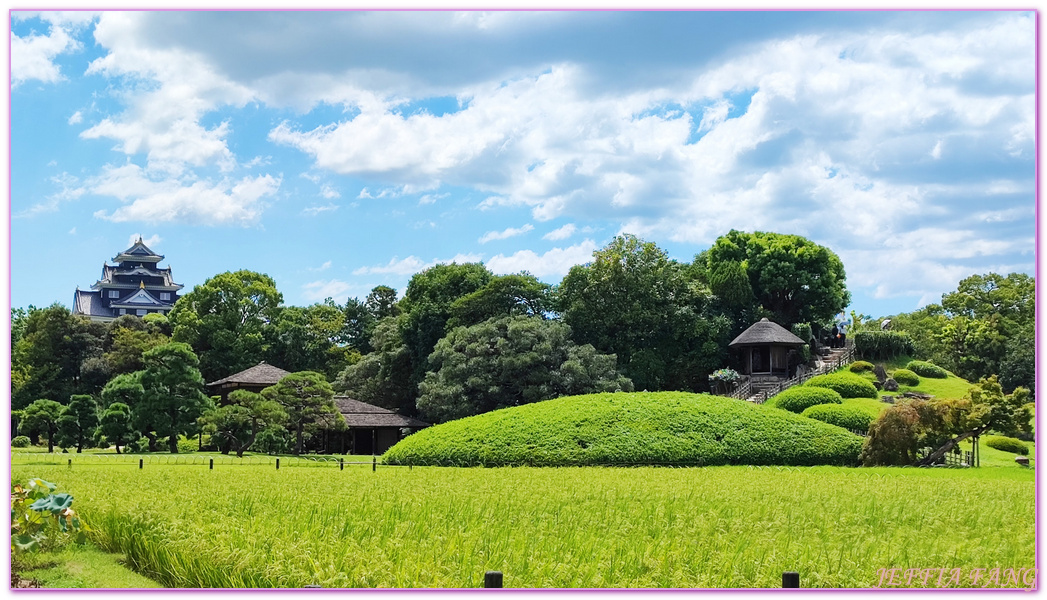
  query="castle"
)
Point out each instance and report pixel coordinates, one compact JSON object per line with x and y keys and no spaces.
{"x":133,"y":286}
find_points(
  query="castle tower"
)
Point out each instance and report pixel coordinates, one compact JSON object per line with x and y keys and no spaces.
{"x":135,"y":285}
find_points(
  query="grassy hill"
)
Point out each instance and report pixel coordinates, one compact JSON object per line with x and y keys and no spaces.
{"x":670,"y":428}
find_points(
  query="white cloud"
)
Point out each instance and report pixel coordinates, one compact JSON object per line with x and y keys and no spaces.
{"x":76,"y":118}
{"x":312,"y":211}
{"x":413,"y":264}
{"x":936,"y":152}
{"x":554,"y":263}
{"x":431,"y":198}
{"x":225,"y":202}
{"x":505,"y":234}
{"x":32,"y":56}
{"x":329,"y":192}
{"x":323,"y":267}
{"x":317,"y":291}
{"x":72,"y":231}
{"x":561,"y":234}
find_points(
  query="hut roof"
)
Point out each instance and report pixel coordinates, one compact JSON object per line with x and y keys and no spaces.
{"x":260,"y":374}
{"x":363,"y":415}
{"x":766,"y":332}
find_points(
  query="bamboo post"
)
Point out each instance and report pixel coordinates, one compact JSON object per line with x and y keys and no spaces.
{"x":212,"y":464}
{"x":140,"y":461}
{"x":278,"y":464}
{"x":493,"y":579}
{"x":790,"y":579}
{"x":374,"y":463}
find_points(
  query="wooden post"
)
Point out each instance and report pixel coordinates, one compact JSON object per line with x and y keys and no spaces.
{"x":212,"y":464}
{"x":70,"y":463}
{"x":341,"y":464}
{"x":374,"y":463}
{"x":278,"y":464}
{"x":790,"y":579}
{"x":139,"y":463}
{"x":493,"y":579}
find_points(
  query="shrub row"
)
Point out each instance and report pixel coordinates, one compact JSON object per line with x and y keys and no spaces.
{"x":927,"y":369}
{"x":798,"y":398}
{"x":630,"y":428}
{"x":906,"y":377}
{"x":848,"y":417}
{"x":848,"y":385}
{"x":882,"y":345}
{"x":1006,"y":444}
{"x":861,"y":366}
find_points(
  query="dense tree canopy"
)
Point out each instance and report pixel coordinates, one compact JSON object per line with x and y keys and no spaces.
{"x":224,"y":320}
{"x":237,"y":425}
{"x":42,"y":416}
{"x":636,"y":303}
{"x":173,"y":396}
{"x":306,"y":398}
{"x":78,"y":422}
{"x":383,"y":377}
{"x":791,"y":277}
{"x":511,"y":361}
{"x":504,"y":295}
{"x":49,"y":357}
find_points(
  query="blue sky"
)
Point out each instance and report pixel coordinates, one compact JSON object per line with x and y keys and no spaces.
{"x":336,"y":151}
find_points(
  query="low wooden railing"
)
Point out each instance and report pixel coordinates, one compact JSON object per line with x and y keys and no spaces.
{"x":745,"y":390}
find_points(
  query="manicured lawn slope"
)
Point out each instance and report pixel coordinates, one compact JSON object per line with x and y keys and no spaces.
{"x":627,"y":429}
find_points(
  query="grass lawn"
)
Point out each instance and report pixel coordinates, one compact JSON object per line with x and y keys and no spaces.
{"x":81,"y":567}
{"x":734,"y":526}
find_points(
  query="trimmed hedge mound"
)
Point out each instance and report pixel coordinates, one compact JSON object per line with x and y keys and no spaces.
{"x":846,"y":384}
{"x":861,"y":366}
{"x":1006,"y":444}
{"x":848,"y":417}
{"x":661,"y":428}
{"x":927,"y":369}
{"x":798,"y":398}
{"x":20,"y":442}
{"x":906,"y":377}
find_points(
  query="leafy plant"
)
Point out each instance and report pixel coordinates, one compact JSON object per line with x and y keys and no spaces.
{"x":848,"y":417}
{"x":927,"y":369}
{"x":1006,"y":444}
{"x":20,"y":442}
{"x":41,"y":519}
{"x":906,"y":377}
{"x":846,"y":384}
{"x":860,"y":366}
{"x":799,"y":398}
{"x":882,"y":345}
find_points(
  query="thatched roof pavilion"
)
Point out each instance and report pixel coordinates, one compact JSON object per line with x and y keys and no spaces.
{"x":373,"y":429}
{"x":766,"y":346}
{"x":255,"y":379}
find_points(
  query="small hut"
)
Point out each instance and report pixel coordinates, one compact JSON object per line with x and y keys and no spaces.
{"x":766,"y":346}
{"x":255,"y":379}
{"x":372,"y":429}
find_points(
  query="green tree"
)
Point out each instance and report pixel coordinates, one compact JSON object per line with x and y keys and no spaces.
{"x":303,"y":339}
{"x":357,"y":327}
{"x":793,"y":278}
{"x":224,"y":320}
{"x":78,"y":422}
{"x":49,"y":357}
{"x":307,"y":399}
{"x":127,"y":339}
{"x":383,"y":377}
{"x":115,"y":425}
{"x":42,"y":415}
{"x":173,"y":396}
{"x":502,"y":296}
{"x":381,"y":302}
{"x":635,"y":302}
{"x":236,"y":426}
{"x":508,"y":362}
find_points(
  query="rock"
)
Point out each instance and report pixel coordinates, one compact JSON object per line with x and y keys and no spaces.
{"x":890,"y":385}
{"x":880,"y":372}
{"x":887,"y":399}
{"x":1022,"y":460}
{"x":877,"y":385}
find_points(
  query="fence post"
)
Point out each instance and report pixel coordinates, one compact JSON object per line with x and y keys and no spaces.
{"x":790,"y":579}
{"x":493,"y":579}
{"x":374,"y":463}
{"x":278,"y":464}
{"x":212,"y":464}
{"x":341,"y":464}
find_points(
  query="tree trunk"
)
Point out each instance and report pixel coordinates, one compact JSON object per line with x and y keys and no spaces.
{"x":152,"y":441}
{"x":172,"y":443}
{"x":50,"y":439}
{"x":298,"y":439}
{"x":117,"y":448}
{"x":947,"y":446}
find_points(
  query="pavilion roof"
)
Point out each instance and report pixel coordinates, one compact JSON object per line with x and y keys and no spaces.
{"x":362,"y":415}
{"x":260,"y":374}
{"x":766,"y":332}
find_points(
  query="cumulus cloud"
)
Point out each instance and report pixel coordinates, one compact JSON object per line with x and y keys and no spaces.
{"x":76,"y":118}
{"x":33,"y":56}
{"x":561,"y":233}
{"x":505,"y":234}
{"x":554,"y":263}
{"x":157,"y":200}
{"x":150,"y":241}
{"x":312,"y":211}
{"x":412,"y":264}
{"x":317,"y":291}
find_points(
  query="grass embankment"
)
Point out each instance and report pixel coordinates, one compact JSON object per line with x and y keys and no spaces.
{"x":187,"y":526}
{"x":646,"y":428}
{"x":81,"y":567}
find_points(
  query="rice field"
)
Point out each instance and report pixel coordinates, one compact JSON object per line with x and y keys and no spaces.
{"x":253,"y":526}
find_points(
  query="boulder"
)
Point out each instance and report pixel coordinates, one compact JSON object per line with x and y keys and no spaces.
{"x":890,"y":385}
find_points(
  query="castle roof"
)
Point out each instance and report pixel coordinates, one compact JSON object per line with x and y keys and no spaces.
{"x":138,"y":251}
{"x":89,"y":303}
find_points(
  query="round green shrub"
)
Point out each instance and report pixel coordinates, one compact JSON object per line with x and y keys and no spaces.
{"x":642,"y":428}
{"x":927,"y":369}
{"x":798,"y":398}
{"x":1006,"y":444}
{"x":906,"y":377}
{"x":861,"y":366}
{"x":848,"y":417}
{"x":846,"y":384}
{"x":20,"y":442}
